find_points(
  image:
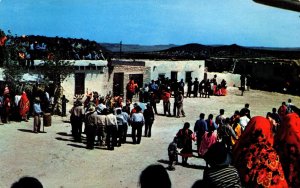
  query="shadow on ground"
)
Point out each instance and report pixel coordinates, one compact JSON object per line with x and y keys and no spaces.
{"x":63,"y":134}
{"x":30,"y":131}
{"x":76,"y":145}
{"x":186,"y":166}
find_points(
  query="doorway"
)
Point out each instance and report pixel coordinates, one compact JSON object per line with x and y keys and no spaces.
{"x":118,"y":84}
{"x":174,"y":76}
{"x":188,"y":76}
{"x":138,"y":78}
{"x":79,"y":83}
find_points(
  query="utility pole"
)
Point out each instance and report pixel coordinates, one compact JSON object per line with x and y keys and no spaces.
{"x":120,"y":49}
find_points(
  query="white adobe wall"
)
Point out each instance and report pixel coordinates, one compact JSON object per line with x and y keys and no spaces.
{"x":233,"y":80}
{"x":166,"y":66}
{"x":94,"y":81}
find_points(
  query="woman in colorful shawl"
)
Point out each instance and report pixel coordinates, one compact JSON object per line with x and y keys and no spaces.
{"x":24,"y":106}
{"x":287,"y":144}
{"x":255,"y":158}
{"x":208,"y":139}
{"x":185,"y":137}
{"x":7,"y":108}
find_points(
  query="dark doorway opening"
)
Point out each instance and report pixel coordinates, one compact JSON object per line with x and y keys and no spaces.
{"x":188,"y":76}
{"x":118,"y":84}
{"x":79,"y":83}
{"x":174,"y":76}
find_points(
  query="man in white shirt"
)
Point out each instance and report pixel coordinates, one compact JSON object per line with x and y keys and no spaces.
{"x":137,"y":122}
{"x":244,"y":120}
{"x":111,"y":130}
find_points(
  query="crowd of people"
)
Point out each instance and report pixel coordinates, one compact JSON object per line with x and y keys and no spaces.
{"x":163,"y":89}
{"x":30,"y":48}
{"x":244,"y":151}
{"x":229,"y":145}
{"x":21,"y":103}
{"x":240,"y":150}
{"x":107,"y":119}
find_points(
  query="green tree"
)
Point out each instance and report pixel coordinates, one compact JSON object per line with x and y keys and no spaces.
{"x":56,"y":70}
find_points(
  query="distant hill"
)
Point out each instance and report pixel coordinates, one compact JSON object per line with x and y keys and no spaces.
{"x":72,"y":48}
{"x":128,"y":48}
{"x":199,"y":51}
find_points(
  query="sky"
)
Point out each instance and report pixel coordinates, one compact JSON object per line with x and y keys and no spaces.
{"x":154,"y":22}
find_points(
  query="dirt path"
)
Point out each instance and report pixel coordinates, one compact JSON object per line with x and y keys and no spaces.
{"x":56,"y":161}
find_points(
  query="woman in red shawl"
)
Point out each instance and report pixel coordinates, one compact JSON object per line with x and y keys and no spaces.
{"x":287,"y":144}
{"x":255,"y":158}
{"x":185,"y":138}
{"x":24,"y":106}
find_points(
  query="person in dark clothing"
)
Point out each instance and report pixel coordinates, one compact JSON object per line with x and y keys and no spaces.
{"x":248,"y":83}
{"x":202,"y":88}
{"x":196,"y":87}
{"x":207,"y":89}
{"x":149,"y":119}
{"x":91,"y":127}
{"x":176,"y":95}
{"x":246,"y":110}
{"x":276,"y":116}
{"x":153,"y":101}
{"x":181,"y":86}
{"x":185,"y":137}
{"x":220,"y":173}
{"x":200,"y":128}
{"x":189,"y":90}
{"x":64,"y":102}
{"x":243,"y":83}
{"x":27,"y":182}
{"x":173,"y":154}
{"x":155,"y":176}
{"x":76,"y":118}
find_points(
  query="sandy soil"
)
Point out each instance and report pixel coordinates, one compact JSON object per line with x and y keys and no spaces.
{"x":56,"y":161}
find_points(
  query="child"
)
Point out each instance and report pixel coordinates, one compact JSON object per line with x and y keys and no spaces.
{"x":173,"y":154}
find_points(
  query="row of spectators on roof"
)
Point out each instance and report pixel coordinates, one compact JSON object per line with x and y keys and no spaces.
{"x":39,"y":47}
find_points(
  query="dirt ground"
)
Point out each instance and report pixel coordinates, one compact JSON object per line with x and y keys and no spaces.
{"x":56,"y":161}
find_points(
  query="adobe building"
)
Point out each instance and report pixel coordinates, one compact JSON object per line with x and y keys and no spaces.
{"x":143,"y":71}
{"x":176,"y":70}
{"x":112,"y":77}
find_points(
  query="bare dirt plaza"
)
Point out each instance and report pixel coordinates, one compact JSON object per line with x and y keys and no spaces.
{"x":56,"y":161}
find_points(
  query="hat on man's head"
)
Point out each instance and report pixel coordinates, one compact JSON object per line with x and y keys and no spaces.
{"x":91,"y":109}
{"x":37,"y":99}
{"x":217,"y":155}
